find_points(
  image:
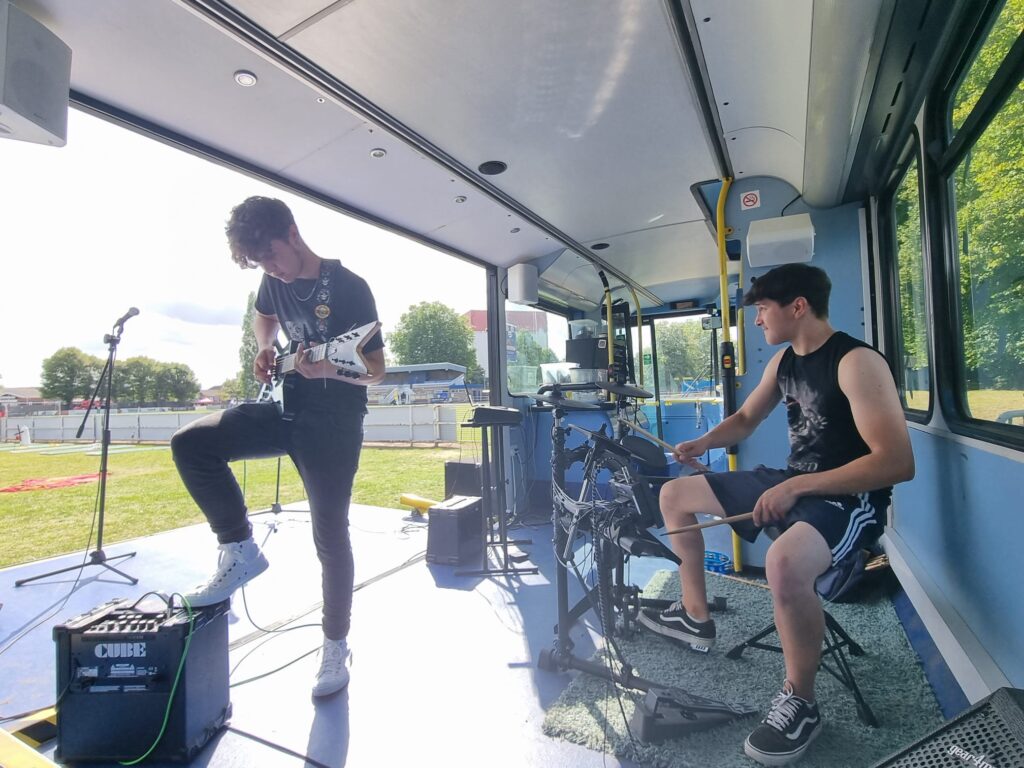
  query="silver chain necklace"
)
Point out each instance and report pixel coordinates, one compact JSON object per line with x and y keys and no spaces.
{"x":316,"y":281}
{"x":309,"y":295}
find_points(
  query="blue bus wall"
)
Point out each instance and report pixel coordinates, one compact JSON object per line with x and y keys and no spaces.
{"x":961,"y":518}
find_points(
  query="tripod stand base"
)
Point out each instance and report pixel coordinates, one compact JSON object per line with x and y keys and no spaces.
{"x":95,"y":558}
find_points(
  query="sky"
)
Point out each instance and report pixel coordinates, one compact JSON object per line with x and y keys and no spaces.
{"x":115,"y":220}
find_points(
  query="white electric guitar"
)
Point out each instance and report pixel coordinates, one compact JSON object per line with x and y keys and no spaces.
{"x":345,"y":352}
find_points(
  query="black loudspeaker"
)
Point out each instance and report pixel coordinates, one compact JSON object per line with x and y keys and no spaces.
{"x":988,"y":735}
{"x":116,"y":666}
{"x":461,"y":479}
{"x":455,"y":531}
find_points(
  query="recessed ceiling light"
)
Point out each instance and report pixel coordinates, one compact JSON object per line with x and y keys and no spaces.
{"x":460,"y":199}
{"x":514,"y":230}
{"x":321,"y":100}
{"x":377,"y":153}
{"x":245,"y":78}
{"x":599,"y":246}
{"x":492,"y":167}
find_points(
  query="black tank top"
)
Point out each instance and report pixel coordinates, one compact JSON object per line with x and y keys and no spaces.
{"x":822,"y":433}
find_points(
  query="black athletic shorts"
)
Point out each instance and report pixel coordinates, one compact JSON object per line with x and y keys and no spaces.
{"x":847,"y":523}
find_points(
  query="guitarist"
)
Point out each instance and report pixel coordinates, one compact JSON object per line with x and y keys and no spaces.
{"x":311,"y":299}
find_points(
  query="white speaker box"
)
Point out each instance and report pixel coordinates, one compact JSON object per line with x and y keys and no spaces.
{"x":522,"y":284}
{"x":35,"y":76}
{"x":784,"y":240}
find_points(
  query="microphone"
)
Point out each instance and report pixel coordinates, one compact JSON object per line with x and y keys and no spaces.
{"x":132,"y":312}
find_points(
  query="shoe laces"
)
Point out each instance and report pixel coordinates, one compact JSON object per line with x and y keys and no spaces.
{"x":332,"y":658}
{"x":785,"y":707}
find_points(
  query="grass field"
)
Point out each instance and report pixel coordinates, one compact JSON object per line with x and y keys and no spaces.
{"x":985,"y":404}
{"x":144,"y":494}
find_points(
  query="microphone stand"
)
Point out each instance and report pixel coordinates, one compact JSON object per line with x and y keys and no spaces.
{"x":98,"y":556}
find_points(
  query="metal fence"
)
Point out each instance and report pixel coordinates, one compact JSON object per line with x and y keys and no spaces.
{"x":400,"y":424}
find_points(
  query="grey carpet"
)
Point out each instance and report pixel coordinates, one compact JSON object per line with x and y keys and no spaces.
{"x":889,"y":676}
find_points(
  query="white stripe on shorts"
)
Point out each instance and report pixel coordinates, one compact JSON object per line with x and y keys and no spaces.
{"x":860,"y":519}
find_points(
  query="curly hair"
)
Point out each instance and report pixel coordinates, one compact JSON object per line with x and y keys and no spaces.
{"x":252,"y":225}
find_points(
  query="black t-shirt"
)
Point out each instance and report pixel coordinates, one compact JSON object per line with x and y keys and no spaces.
{"x":822,"y":433}
{"x":295,"y":304}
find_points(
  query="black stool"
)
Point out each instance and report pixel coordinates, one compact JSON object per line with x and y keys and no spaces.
{"x":835,"y":640}
{"x":490,"y":419}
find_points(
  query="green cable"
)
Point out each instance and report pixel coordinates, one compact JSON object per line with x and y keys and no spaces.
{"x":174,"y":687}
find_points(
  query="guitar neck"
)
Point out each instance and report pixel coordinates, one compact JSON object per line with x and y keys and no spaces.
{"x":286,"y":363}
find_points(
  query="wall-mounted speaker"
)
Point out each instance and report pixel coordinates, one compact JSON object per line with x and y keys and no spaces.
{"x":991,"y":733}
{"x":783,"y":240}
{"x":522,"y":284}
{"x":35,"y":77}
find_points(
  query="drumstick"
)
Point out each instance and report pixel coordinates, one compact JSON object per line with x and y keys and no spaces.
{"x":710,"y":523}
{"x":690,"y":462}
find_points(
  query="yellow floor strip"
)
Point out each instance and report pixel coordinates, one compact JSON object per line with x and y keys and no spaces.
{"x":15,"y":753}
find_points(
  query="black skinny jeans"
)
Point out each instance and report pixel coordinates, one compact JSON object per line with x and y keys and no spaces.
{"x":323,"y":442}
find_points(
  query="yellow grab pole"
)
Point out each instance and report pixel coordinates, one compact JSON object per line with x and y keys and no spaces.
{"x":723,"y":283}
{"x":639,"y":335}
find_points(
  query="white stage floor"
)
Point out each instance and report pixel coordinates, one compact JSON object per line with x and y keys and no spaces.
{"x":444,"y":667}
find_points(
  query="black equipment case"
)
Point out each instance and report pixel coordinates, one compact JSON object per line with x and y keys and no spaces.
{"x":116,"y":666}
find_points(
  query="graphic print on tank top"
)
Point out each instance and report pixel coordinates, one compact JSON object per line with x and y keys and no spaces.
{"x":806,"y":425}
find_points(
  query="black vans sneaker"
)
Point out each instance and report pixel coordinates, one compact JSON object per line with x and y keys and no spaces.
{"x":784,"y":735}
{"x":676,"y":623}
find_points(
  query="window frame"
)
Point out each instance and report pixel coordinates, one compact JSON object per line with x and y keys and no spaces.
{"x":893,"y":324}
{"x":945,"y":149}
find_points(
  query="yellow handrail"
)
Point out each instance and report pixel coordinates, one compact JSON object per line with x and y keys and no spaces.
{"x":723,"y":283}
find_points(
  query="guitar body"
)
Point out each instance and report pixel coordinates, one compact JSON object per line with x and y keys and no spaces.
{"x":344,"y":351}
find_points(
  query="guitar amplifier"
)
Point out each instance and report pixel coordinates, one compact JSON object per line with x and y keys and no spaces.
{"x":116,"y":670}
{"x":455,"y":531}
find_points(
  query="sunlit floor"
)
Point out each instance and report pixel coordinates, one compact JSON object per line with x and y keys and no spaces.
{"x":444,"y":667}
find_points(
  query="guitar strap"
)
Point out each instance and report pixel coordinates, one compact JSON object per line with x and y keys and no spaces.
{"x":322,"y":310}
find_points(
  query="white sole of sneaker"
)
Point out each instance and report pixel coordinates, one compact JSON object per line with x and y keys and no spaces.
{"x":775,"y":759}
{"x":699,"y":644}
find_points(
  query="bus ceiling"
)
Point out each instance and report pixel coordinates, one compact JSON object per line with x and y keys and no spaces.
{"x":567,"y":135}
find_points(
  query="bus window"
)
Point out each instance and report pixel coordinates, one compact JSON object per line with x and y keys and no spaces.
{"x":533,"y":338}
{"x":912,"y":344}
{"x":991,"y":54}
{"x":987,"y":185}
{"x":687,"y":363}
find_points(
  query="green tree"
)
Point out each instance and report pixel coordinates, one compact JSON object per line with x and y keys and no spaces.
{"x":530,"y":352}
{"x":136,"y":380}
{"x":231,"y":389}
{"x":431,"y":332}
{"x":988,"y":185}
{"x":910,"y":263}
{"x":176,"y":382}
{"x":69,"y":373}
{"x":247,"y":385}
{"x":683,"y":352}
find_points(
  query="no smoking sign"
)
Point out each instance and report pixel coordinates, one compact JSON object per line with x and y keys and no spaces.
{"x":751,"y":199}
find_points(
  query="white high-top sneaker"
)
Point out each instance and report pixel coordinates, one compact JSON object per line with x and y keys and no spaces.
{"x":333,"y":673}
{"x":239,"y":563}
